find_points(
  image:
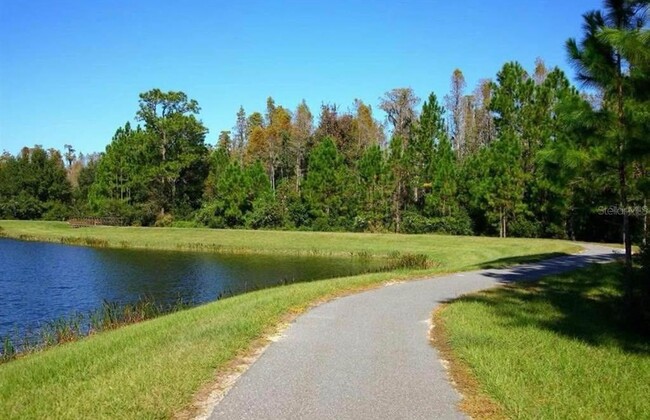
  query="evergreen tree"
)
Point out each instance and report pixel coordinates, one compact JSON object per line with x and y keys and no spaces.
{"x":328,"y":188}
{"x":601,"y":64}
{"x":177,"y":151}
{"x":373,"y":198}
{"x":422,"y":164}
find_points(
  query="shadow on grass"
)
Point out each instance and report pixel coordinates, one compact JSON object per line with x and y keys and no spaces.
{"x":510,"y":261}
{"x":584,"y":305}
{"x":543,"y":265}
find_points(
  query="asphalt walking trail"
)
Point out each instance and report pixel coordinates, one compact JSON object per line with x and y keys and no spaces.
{"x":368,"y":356}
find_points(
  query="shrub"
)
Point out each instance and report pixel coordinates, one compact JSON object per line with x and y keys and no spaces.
{"x":23,"y":206}
{"x":185,"y":224}
{"x":56,"y":210}
{"x":116,"y":208}
{"x":456,"y":224}
{"x":207,"y":216}
{"x":525,"y":228}
{"x":164,"y":220}
{"x":267,"y":213}
{"x":368,"y":222}
{"x":408,"y":261}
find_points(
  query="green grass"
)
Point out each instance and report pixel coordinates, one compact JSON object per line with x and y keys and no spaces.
{"x":553,"y":349}
{"x":453,"y":252}
{"x":155,"y":368}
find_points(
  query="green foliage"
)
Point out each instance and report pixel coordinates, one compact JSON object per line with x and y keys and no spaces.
{"x":185,"y":224}
{"x":32,"y":182}
{"x":458,"y":223}
{"x":55,"y":210}
{"x":495,"y":183}
{"x":328,"y":188}
{"x":266,"y":214}
{"x":164,"y":220}
{"x":163,"y":165}
{"x":239,"y":191}
{"x":524,"y":155}
{"x":612,"y":58}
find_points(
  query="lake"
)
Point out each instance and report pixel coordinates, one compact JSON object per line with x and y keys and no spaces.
{"x":40,"y":282}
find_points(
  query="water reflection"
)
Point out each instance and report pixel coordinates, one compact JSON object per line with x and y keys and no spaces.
{"x":41,"y":281}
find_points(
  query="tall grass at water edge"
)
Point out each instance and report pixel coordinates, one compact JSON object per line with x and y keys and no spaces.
{"x":71,"y":328}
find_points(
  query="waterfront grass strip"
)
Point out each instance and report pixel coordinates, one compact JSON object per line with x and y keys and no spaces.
{"x":553,"y":349}
{"x":153,"y":369}
{"x":450,"y":251}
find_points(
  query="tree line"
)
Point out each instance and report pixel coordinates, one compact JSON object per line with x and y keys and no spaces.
{"x":524,"y":154}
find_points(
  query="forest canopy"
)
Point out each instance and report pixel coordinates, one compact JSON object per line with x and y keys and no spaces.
{"x":525,"y":153}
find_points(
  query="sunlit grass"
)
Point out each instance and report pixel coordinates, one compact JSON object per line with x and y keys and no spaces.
{"x":554,"y":349}
{"x":450,"y":251}
{"x":154,"y":369}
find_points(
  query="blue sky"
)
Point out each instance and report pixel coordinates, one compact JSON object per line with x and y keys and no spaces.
{"x":71,"y":71}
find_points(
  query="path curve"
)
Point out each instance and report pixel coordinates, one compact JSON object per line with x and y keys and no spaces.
{"x":367,"y":356}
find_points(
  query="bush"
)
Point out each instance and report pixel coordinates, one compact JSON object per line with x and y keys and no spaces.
{"x":23,"y":206}
{"x":360,"y":224}
{"x":368,"y":222}
{"x":185,"y":224}
{"x":145,"y":214}
{"x":298,"y":213}
{"x":207,"y":216}
{"x":321,"y":224}
{"x":267,"y":213}
{"x":56,"y":210}
{"x":524,"y":228}
{"x":116,"y":208}
{"x":164,"y":220}
{"x":456,"y":224}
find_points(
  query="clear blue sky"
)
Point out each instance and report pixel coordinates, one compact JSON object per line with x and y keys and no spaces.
{"x":71,"y":71}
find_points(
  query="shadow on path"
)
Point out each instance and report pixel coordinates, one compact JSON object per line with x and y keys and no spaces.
{"x":523,"y":259}
{"x":534,"y":271}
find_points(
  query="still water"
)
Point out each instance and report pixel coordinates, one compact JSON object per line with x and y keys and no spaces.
{"x":40,"y":282}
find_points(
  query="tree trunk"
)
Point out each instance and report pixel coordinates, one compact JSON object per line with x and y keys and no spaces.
{"x":396,"y":204}
{"x":645,"y":221}
{"x":627,"y":240}
{"x":502,"y":223}
{"x":298,"y":174}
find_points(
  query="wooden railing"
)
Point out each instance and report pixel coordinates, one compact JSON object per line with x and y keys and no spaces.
{"x":78,"y":222}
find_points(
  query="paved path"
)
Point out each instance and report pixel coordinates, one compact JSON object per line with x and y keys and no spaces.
{"x":367,"y":356}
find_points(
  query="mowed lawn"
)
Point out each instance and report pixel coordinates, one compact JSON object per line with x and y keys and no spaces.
{"x":553,"y":349}
{"x":451,"y":252}
{"x":154,"y":369}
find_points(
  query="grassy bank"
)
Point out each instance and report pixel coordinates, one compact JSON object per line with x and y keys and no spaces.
{"x":453,"y":252}
{"x":553,"y":349}
{"x":152,"y":369}
{"x":155,"y":368}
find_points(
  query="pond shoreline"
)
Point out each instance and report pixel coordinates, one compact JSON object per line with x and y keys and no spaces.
{"x":158,"y":367}
{"x":55,"y":293}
